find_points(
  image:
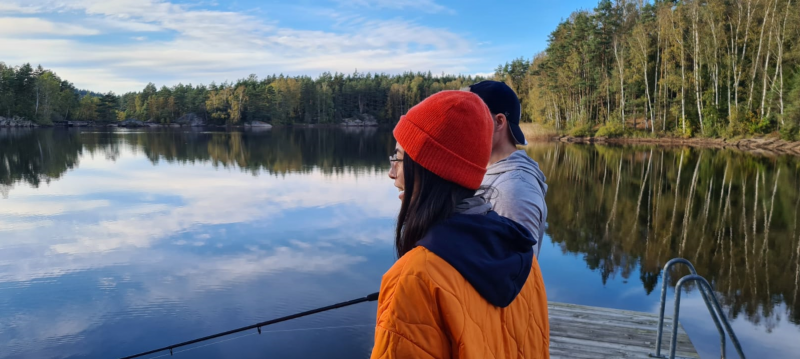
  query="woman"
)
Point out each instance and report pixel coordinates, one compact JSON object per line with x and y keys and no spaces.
{"x":466,"y":284}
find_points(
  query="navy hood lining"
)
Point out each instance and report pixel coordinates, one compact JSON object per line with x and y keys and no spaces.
{"x":493,"y":253}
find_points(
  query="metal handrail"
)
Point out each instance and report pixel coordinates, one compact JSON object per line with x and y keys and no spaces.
{"x":663,"y":304}
{"x":706,"y":291}
{"x":702,"y":283}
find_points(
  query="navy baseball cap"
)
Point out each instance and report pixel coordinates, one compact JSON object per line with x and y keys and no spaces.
{"x":502,"y":99}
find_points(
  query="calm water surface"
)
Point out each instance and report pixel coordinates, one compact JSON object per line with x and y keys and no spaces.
{"x":117,"y":242}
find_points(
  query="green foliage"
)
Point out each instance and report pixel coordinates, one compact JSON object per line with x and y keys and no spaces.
{"x":330,"y":98}
{"x":789,"y":133}
{"x":792,"y":115}
{"x":35,"y":94}
{"x":582,"y":131}
{"x":670,"y":59}
{"x":278,"y":99}
{"x":713,"y":130}
{"x":761,"y":125}
{"x":686,"y":133}
{"x":611,"y":129}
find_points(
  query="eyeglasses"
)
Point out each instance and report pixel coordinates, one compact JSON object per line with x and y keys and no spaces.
{"x":393,"y":159}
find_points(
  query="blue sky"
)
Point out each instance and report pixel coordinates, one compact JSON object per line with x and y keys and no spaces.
{"x":121,"y":45}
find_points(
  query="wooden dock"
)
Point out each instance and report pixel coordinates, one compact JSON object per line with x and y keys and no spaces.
{"x":578,"y":331}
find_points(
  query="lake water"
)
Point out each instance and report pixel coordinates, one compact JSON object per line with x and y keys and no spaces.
{"x":117,"y":242}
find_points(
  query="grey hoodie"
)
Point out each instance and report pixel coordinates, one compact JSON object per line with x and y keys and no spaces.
{"x":518,"y":190}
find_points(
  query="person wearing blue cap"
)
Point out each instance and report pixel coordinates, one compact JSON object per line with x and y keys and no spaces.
{"x":518,"y":184}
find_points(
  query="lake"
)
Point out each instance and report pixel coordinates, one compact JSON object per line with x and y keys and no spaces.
{"x":114,"y":242}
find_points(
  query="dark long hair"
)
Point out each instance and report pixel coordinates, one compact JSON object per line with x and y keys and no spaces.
{"x":428,"y":200}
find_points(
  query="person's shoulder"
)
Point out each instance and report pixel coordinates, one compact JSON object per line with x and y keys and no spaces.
{"x":414,"y":263}
{"x":519,"y":182}
{"x":422,"y":264}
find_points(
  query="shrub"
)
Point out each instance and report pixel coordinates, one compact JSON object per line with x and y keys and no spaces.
{"x":763,"y":125}
{"x":582,"y":131}
{"x":611,"y":129}
{"x":789,"y":132}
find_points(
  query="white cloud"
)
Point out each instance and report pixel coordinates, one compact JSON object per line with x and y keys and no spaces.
{"x":11,"y":8}
{"x":11,"y":26}
{"x":125,"y":25}
{"x":246,"y":199}
{"x":193,"y":45}
{"x":429,"y":6}
{"x":41,"y":208}
{"x":484,"y":74}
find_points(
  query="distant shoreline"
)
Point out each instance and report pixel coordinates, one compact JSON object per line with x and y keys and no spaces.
{"x":175,"y":125}
{"x":768,"y":146}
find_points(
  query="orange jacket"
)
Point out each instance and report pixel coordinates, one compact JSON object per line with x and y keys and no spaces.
{"x":428,"y":309}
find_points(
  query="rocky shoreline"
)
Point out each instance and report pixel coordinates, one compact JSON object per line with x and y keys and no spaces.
{"x":189,"y":120}
{"x":16,"y":122}
{"x":768,"y":146}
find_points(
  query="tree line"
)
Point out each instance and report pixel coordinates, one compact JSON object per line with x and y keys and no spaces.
{"x":694,"y":67}
{"x":282,"y":99}
{"x":40,"y":95}
{"x":690,"y":68}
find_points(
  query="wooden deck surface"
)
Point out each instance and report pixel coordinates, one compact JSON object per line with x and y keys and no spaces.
{"x":578,"y":331}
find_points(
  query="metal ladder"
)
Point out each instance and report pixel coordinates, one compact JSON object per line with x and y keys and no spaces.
{"x":714,"y":309}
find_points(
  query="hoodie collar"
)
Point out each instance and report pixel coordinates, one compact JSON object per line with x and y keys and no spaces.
{"x":474,"y":205}
{"x":493,"y":253}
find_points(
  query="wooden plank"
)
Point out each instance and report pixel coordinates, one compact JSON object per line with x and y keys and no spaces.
{"x":578,"y":331}
{"x":614,"y":336}
{"x":568,"y":345}
{"x":584,"y":308}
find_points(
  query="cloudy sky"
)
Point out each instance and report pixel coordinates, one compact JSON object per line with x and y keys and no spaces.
{"x":121,"y":45}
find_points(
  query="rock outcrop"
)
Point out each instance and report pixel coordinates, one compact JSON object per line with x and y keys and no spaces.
{"x":190,"y":120}
{"x":360,"y":120}
{"x":16,"y":122}
{"x":131,"y":123}
{"x":257,"y":125}
{"x":79,"y":123}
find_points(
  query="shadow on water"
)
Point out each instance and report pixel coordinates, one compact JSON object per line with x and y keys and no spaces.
{"x":735,"y":216}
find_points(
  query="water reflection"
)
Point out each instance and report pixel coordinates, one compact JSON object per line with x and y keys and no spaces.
{"x":631,"y":209}
{"x":37,"y":156}
{"x":112,"y":242}
{"x":155,"y":237}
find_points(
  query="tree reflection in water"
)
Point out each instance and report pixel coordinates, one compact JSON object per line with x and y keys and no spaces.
{"x":734,"y":215}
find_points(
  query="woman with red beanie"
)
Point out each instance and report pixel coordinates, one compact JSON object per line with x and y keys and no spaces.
{"x":466,"y":284}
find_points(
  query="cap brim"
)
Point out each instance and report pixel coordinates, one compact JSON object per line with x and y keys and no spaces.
{"x":519,"y":137}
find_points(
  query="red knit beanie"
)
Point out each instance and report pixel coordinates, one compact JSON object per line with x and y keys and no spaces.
{"x":449,"y":134}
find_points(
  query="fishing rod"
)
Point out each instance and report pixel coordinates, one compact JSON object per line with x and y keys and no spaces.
{"x":370,"y":298}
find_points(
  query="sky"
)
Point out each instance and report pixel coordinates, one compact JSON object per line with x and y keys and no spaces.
{"x":121,"y":45}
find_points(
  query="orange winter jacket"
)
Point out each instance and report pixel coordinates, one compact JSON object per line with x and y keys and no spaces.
{"x":470,"y":289}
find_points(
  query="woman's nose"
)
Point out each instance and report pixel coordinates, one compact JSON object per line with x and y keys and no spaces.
{"x":392,"y":175}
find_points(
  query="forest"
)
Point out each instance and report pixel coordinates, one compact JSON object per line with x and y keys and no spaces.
{"x":687,"y":68}
{"x":42,"y":96}
{"x":711,"y":68}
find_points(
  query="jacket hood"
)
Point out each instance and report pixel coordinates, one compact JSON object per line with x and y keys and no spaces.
{"x":493,"y":253}
{"x":518,"y":160}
